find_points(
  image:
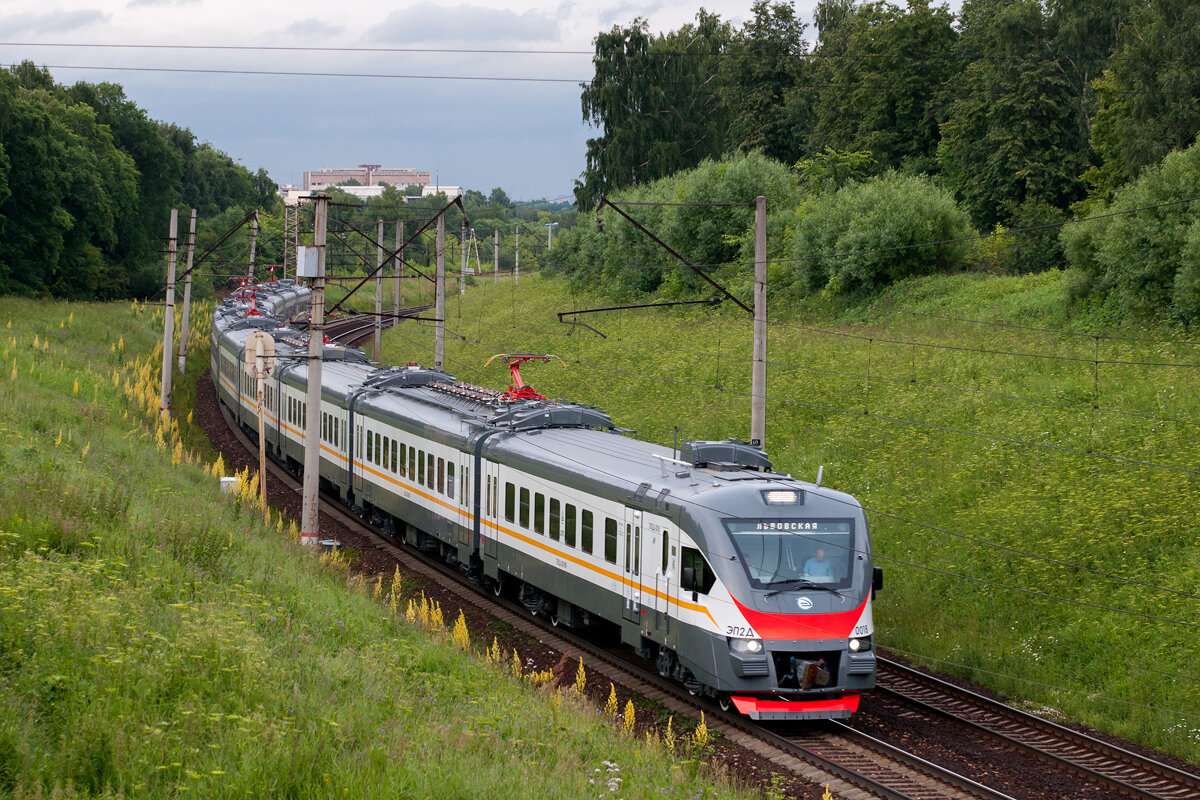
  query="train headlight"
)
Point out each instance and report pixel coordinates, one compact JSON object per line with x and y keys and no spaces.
{"x":860,"y":645}
{"x":746,"y":645}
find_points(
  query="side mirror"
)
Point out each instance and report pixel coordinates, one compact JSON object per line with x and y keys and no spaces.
{"x":688,"y":579}
{"x":876,"y":580}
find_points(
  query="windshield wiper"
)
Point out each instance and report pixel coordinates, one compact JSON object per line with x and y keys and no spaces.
{"x":799,"y":583}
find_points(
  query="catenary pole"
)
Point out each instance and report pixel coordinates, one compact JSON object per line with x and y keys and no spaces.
{"x":758,"y":379}
{"x":286,"y":221}
{"x":397,"y":295}
{"x":169,"y":318}
{"x":187,"y":295}
{"x":378,"y":289}
{"x":517,"y":255}
{"x":462,"y":245}
{"x":253,"y":243}
{"x":311,"y":416}
{"x":495,"y":255}
{"x":439,"y":302}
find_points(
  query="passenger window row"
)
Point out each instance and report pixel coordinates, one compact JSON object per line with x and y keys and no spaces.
{"x":552,"y":517}
{"x":425,"y":469}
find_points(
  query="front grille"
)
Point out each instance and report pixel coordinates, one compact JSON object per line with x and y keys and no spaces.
{"x":861,"y":665}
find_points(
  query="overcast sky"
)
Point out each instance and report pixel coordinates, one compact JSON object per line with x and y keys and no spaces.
{"x":527,"y":137}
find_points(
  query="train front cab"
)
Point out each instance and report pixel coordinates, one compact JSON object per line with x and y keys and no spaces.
{"x":795,"y":627}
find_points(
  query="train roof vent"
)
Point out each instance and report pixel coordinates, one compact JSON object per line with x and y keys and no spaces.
{"x":729,"y":455}
{"x":543,"y":414}
{"x":406,"y":378}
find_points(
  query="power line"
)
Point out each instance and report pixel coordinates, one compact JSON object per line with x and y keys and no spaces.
{"x":811,"y":55}
{"x":1106,"y":337}
{"x":298,"y":74}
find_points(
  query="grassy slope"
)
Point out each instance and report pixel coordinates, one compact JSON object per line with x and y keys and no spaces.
{"x":156,"y":641}
{"x":1125,"y":673}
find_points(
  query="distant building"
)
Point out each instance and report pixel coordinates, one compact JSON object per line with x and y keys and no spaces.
{"x":365,"y":175}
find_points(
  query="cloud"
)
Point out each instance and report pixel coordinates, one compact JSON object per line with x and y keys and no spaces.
{"x":312,"y":28}
{"x":428,"y":23}
{"x":135,"y":3}
{"x":55,"y":22}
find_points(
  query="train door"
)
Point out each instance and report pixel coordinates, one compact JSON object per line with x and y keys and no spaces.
{"x":489,"y":507}
{"x":458,"y":487}
{"x":356,"y":469}
{"x":658,"y":552}
{"x":632,"y":563}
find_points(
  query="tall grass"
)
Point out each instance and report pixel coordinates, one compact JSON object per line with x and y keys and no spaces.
{"x":157,"y":639}
{"x":1004,"y":494}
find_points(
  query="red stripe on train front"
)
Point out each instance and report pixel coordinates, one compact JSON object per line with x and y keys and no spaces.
{"x":802,"y":626}
{"x":753,"y":706}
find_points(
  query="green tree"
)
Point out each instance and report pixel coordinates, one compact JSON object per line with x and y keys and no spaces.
{"x":1149,"y":95}
{"x":883,"y":92}
{"x":1013,"y":130}
{"x":759,"y":79}
{"x":1146,"y":261}
{"x":859,"y":239}
{"x":655,"y":103}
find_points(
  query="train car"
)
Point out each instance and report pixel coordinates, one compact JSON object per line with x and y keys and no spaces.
{"x":744,"y":584}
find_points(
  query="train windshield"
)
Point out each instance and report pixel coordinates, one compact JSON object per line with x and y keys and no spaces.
{"x":779,"y":551}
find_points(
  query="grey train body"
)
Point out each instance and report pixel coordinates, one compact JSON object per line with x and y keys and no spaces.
{"x":743,"y":583}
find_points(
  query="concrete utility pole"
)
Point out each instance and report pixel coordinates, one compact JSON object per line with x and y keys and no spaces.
{"x":439,"y":303}
{"x":260,"y":357}
{"x":187,"y":296}
{"x":496,"y":255}
{"x":169,"y":318}
{"x":286,"y":229}
{"x":758,"y":378}
{"x":378,"y":289}
{"x":462,"y":245}
{"x":517,"y":254}
{"x":398,"y":293}
{"x":253,"y":243}
{"x":316,"y":349}
{"x":549,"y":232}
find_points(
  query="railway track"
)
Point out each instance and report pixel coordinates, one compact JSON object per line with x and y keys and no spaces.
{"x":852,"y":765}
{"x":357,"y":327}
{"x":1121,"y":770}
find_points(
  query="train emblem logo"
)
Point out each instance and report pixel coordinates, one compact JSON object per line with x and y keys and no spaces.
{"x":804,"y":603}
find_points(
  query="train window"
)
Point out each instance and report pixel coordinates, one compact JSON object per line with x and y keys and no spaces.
{"x":585,"y":532}
{"x":524,"y":509}
{"x":421,"y":467}
{"x":429,"y":470}
{"x":487,"y":496}
{"x":403,"y":459}
{"x":690,"y":557}
{"x":378,"y":448}
{"x":628,"y":544}
{"x":466,"y":483}
{"x":610,"y":540}
{"x":569,"y":525}
{"x":304,"y":416}
{"x":555,"y":518}
{"x":412,"y":462}
{"x":441,"y":476}
{"x":539,"y":512}
{"x":666,"y":536}
{"x":387,"y":464}
{"x":510,"y":501}
{"x":450,"y":479}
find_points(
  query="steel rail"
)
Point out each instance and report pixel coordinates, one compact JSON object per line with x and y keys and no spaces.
{"x":1066,"y":747}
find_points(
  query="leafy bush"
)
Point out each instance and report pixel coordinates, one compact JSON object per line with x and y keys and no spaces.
{"x":1146,"y":260}
{"x":846,"y":241}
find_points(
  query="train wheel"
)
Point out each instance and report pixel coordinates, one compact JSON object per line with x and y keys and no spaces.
{"x":498,"y":587}
{"x":724,"y":701}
